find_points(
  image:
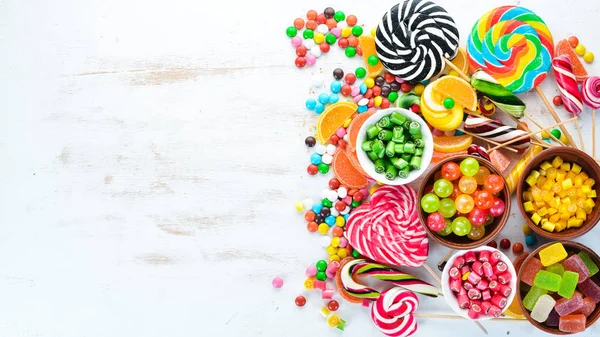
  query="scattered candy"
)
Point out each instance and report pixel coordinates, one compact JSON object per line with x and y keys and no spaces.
{"x":300,"y":301}
{"x":277,"y":282}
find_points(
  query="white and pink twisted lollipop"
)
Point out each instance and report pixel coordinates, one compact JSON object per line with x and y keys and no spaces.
{"x":591,"y":97}
{"x":393,"y":312}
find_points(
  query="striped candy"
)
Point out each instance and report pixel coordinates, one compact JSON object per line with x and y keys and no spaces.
{"x":413,"y":39}
{"x":387,"y":229}
{"x":513,"y":45}
{"x":591,"y":92}
{"x":567,"y":84}
{"x":392,"y":313}
{"x":496,"y":131}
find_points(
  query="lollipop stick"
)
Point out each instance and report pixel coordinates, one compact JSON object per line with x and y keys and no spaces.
{"x":529,"y":135}
{"x":433,"y":274}
{"x":580,"y":135}
{"x":555,"y":115}
{"x":488,"y":140}
{"x":540,"y":126}
{"x":455,"y":68}
{"x":594,"y":133}
{"x":444,"y":259}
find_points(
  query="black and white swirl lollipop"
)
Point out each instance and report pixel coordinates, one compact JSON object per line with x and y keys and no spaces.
{"x":414,"y":38}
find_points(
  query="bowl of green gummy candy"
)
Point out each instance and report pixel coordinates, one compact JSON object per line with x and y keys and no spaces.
{"x":394,"y":146}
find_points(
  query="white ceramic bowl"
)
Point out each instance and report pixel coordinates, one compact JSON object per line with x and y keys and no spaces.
{"x":369,"y":166}
{"x":451,"y":298}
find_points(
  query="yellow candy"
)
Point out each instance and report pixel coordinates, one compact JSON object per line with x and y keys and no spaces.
{"x":564,"y":139}
{"x":589,"y":203}
{"x":561,"y":225}
{"x":552,"y":211}
{"x":580,"y":49}
{"x":318,"y":38}
{"x":548,"y":226}
{"x":309,"y":283}
{"x":369,"y":82}
{"x":377,"y":100}
{"x":557,"y":161}
{"x":346,"y":32}
{"x":580,"y":214}
{"x":527,"y":196}
{"x":373,"y":31}
{"x":592,"y":194}
{"x":331,"y":250}
{"x":527,"y":230}
{"x":334,"y":258}
{"x":565,"y":166}
{"x":335,"y":242}
{"x":551,"y":173}
{"x":325,"y":311}
{"x":590,"y":182}
{"x":567,"y":184}
{"x":543,"y":211}
{"x":531,"y":180}
{"x":528,"y":206}
{"x":588,"y":57}
{"x":373,"y":189}
{"x":560,"y":175}
{"x":466,"y":275}
{"x":536,"y":218}
{"x":554,"y":217}
{"x":553,"y":254}
{"x":323,"y":228}
{"x":333,"y":321}
{"x":347,"y":122}
{"x":575,"y":168}
{"x":545,"y":165}
{"x":342,"y":252}
{"x":418,"y":89}
{"x":340,"y":221}
{"x":545,"y":135}
{"x":299,"y":206}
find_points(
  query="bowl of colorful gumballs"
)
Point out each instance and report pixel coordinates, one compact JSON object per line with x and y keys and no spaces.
{"x":394,"y":146}
{"x":559,"y":287}
{"x":556,"y":193}
{"x":464,"y":202}
{"x":479,"y":284}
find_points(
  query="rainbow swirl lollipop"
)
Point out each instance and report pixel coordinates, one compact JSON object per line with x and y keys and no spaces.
{"x":513,"y":45}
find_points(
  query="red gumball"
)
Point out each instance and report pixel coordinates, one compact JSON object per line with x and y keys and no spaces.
{"x":343,"y":42}
{"x":415,"y":108}
{"x":557,"y":100}
{"x":325,"y":47}
{"x":346,"y":90}
{"x":350,"y":78}
{"x":451,"y":171}
{"x":385,"y":103}
{"x":406,"y":87}
{"x":497,"y":207}
{"x":484,"y":199}
{"x":478,"y":216}
{"x":300,"y":62}
{"x":436,"y":221}
{"x":301,"y":51}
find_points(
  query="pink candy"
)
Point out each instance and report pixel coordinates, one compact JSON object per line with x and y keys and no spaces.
{"x":311,"y":60}
{"x":296,"y":41}
{"x":356,"y":92}
{"x":311,"y":271}
{"x":277,"y":282}
{"x":341,"y":132}
{"x":337,"y":32}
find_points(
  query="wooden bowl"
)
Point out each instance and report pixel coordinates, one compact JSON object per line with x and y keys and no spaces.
{"x":571,"y":247}
{"x":568,"y":154}
{"x":452,"y":240}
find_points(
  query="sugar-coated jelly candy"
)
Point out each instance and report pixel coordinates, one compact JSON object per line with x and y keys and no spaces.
{"x":576,"y":264}
{"x":592,"y":267}
{"x":547,"y":280}
{"x":588,"y":307}
{"x":531,"y":269}
{"x":590,"y":289}
{"x":532,"y":297}
{"x":568,"y":284}
{"x":556,"y":268}
{"x":553,"y":319}
{"x":542,"y":308}
{"x":565,"y":306}
{"x":572,"y":323}
{"x":553,"y":254}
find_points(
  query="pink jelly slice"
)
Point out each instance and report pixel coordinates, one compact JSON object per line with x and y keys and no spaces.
{"x":572,"y":323}
{"x":588,"y":307}
{"x":565,"y":306}
{"x":576,"y":265}
{"x":590,"y":289}
{"x":531,"y":269}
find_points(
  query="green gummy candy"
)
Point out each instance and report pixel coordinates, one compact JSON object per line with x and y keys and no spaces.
{"x":532,"y":297}
{"x":589,"y":263}
{"x":568,"y":284}
{"x":547,"y":280}
{"x":556,"y":268}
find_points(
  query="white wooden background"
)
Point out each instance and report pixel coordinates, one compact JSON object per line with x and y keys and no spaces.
{"x":151,"y":154}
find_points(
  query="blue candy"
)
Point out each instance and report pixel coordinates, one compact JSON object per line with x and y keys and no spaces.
{"x":530,"y":240}
{"x":319,"y":108}
{"x":333,"y":98}
{"x":458,"y":133}
{"x":323,"y":98}
{"x":362,"y":108}
{"x":363,"y":88}
{"x":315,"y":158}
{"x":335,"y":86}
{"x":317,"y":208}
{"x":310,"y":103}
{"x":346,"y":216}
{"x":330,"y":220}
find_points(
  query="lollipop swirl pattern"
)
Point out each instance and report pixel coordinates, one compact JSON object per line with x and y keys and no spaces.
{"x":567,"y":84}
{"x":393,"y":312}
{"x":513,"y":45}
{"x":413,"y":39}
{"x":591,"y":92}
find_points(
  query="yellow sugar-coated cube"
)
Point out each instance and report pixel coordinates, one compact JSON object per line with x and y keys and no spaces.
{"x":565,"y":167}
{"x":549,"y":226}
{"x":557,"y":161}
{"x":528,"y":206}
{"x":562,"y":194}
{"x":580,"y":214}
{"x":574,"y":222}
{"x":545,"y":165}
{"x":592,"y":194}
{"x":552,"y":211}
{"x":575,"y":168}
{"x":561,"y":225}
{"x":589,"y":203}
{"x":560,"y":175}
{"x":542,"y":211}
{"x":588,"y":210}
{"x":554,"y":217}
{"x":580,"y":202}
{"x":578,"y":180}
{"x":564,"y":216}
{"x":553,"y":254}
{"x":567,"y":183}
{"x":536,"y":218}
{"x":590,"y":182}
{"x":562,"y":208}
{"x":531,"y":180}
{"x":572,"y":192}
{"x":578,"y":192}
{"x":547,"y":195}
{"x":586,"y":189}
{"x":551,"y":173}
{"x":554,"y":202}
{"x":540,"y":181}
{"x":571,"y":175}
{"x":556,"y":187}
{"x":548,"y":184}
{"x":539,"y":204}
{"x":527,"y":196}
{"x":572,"y":208}
{"x":565,"y":201}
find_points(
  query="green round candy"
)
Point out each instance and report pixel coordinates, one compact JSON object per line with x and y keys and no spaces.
{"x":447,"y":208}
{"x":361,"y":72}
{"x":461,"y":226}
{"x":357,"y":30}
{"x":339,"y":16}
{"x":330,"y":38}
{"x":556,"y":133}
{"x":321,"y":276}
{"x":350,"y":51}
{"x":373,"y":60}
{"x":355,"y":203}
{"x":469,"y":167}
{"x":443,"y":188}
{"x":323,"y":168}
{"x":447,"y":230}
{"x":393,"y":96}
{"x":308,"y":34}
{"x":355,"y":254}
{"x":321,"y":265}
{"x":326,"y":202}
{"x":291,"y":31}
{"x":430,"y":203}
{"x":448,"y":103}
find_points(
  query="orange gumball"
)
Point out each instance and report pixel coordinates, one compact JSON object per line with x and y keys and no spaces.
{"x":331,"y":23}
{"x":299,"y":23}
{"x":337,"y":231}
{"x":351,"y":20}
{"x":311,"y":14}
{"x":353,"y":41}
{"x":313,"y":226}
{"x":311,"y":24}
{"x":573,"y":41}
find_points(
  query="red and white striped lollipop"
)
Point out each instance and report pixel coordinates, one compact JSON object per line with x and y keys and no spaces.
{"x":591,"y":92}
{"x":393,"y":312}
{"x":567,"y":84}
{"x":387,"y":229}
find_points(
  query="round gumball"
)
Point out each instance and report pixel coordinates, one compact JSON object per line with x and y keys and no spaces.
{"x":467,"y":184}
{"x":455,"y":192}
{"x":461,"y":226}
{"x":492,"y":244}
{"x":451,"y":171}
{"x":436,"y":222}
{"x":430,"y":203}
{"x":489,"y":220}
{"x":497,"y":207}
{"x":447,"y":208}
{"x":482,"y":173}
{"x":494,"y":183}
{"x":443,"y":188}
{"x":469,"y":167}
{"x":476,"y":233}
{"x":484,"y":199}
{"x":447,"y":229}
{"x":478,"y":216}
{"x":464,"y":203}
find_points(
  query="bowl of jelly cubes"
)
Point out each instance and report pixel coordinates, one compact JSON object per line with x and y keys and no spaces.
{"x":559,"y":287}
{"x":464,"y":202}
{"x":557,"y":193}
{"x":394,"y":146}
{"x":479,"y":284}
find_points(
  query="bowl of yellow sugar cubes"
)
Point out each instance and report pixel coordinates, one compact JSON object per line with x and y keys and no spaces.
{"x":557,"y":195}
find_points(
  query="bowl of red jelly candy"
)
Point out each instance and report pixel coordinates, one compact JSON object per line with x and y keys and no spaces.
{"x":479,"y":284}
{"x":559,"y":287}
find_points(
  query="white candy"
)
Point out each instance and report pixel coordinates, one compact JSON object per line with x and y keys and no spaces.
{"x":318,"y":79}
{"x":316,"y":51}
{"x":309,"y":43}
{"x":331,"y":149}
{"x":325,"y":241}
{"x":342,"y":192}
{"x":320,"y":149}
{"x":327,"y":158}
{"x":334,"y":211}
{"x":346,"y":137}
{"x":322,"y":28}
{"x":342,"y":24}
{"x":332,"y":196}
{"x":363,"y":101}
{"x":346,"y":210}
{"x":308,"y":203}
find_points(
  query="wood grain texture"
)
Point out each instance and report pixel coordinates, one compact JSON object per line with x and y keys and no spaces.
{"x":151,"y":155}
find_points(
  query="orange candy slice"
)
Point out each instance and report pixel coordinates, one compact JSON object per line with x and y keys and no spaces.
{"x":439,"y":156}
{"x":367,"y":44}
{"x":564,"y":48}
{"x":448,"y":144}
{"x":333,"y":118}
{"x":458,"y":89}
{"x":355,"y":126}
{"x":354,"y":160}
{"x":345,"y":172}
{"x":460,"y":61}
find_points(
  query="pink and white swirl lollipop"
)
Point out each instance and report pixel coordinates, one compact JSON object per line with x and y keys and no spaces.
{"x":393,"y":312}
{"x":567,"y":84}
{"x":591,"y":97}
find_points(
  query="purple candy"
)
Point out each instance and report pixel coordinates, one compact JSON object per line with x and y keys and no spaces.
{"x":590,"y":289}
{"x":565,"y":306}
{"x":576,"y":265}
